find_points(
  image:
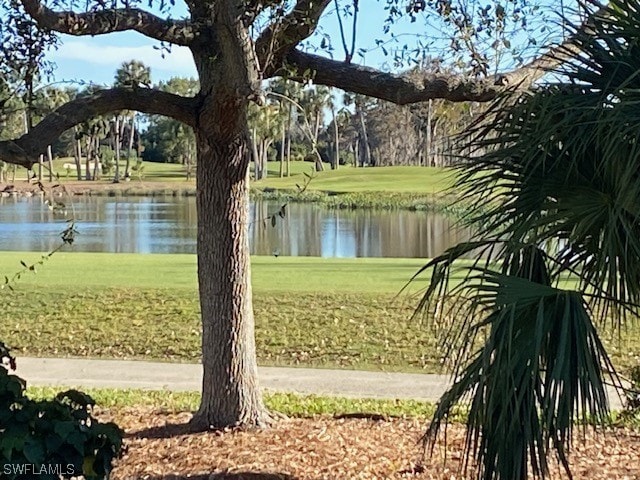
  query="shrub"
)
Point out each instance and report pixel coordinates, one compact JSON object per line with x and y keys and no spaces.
{"x":51,"y":439}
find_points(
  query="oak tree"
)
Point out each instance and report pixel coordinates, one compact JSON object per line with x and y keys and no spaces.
{"x":236,"y":44}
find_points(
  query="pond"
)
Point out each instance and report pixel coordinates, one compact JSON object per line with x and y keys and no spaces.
{"x":168,"y":225}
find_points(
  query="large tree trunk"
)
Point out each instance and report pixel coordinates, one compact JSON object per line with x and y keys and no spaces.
{"x":230,"y":390}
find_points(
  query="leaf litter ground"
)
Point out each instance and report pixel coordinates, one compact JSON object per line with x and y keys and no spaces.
{"x":324,"y":447}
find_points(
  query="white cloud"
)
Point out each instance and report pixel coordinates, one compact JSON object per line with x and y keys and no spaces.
{"x":178,"y":62}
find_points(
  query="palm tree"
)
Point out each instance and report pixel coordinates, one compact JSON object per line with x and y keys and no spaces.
{"x":555,"y":175}
{"x":289,"y":93}
{"x":313,"y":102}
{"x":132,"y":74}
{"x":52,"y":98}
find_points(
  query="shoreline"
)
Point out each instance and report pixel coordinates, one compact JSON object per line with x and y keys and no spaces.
{"x":104,"y":189}
{"x":330,"y":199}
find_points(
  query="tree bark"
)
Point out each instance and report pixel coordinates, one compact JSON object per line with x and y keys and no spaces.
{"x":230,"y":390}
{"x":50,"y":162}
{"x":87,"y":162}
{"x":78,"y":153}
{"x":336,"y":158}
{"x":231,"y":394}
{"x":132,"y":131}
{"x":282,"y":149}
{"x":428,"y":163}
{"x":116,"y":131}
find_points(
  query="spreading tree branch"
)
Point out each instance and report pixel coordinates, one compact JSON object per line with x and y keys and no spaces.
{"x":282,"y":36}
{"x":399,"y":89}
{"x":179,"y":32}
{"x":25,"y":150}
{"x":404,"y":89}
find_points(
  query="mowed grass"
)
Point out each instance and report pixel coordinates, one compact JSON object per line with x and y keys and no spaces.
{"x":178,"y":271}
{"x":331,"y":313}
{"x":290,"y":404}
{"x":347,"y":179}
{"x":151,"y":171}
{"x":419,"y":180}
{"x":309,"y":311}
{"x":166,"y":172}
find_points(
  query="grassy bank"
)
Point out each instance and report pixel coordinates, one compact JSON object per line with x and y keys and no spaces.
{"x":423,"y":180}
{"x":414,"y":188}
{"x":332,"y":313}
{"x":416,"y":180}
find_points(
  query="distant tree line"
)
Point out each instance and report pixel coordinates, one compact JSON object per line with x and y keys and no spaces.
{"x":295,"y":123}
{"x":324,"y":126}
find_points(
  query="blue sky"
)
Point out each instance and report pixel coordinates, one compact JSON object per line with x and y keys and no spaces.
{"x":95,"y":59}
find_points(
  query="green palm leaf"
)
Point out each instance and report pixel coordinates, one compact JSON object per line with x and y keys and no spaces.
{"x":555,"y":174}
{"x":538,"y":371}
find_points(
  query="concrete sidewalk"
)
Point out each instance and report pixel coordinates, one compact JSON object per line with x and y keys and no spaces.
{"x":86,"y":373}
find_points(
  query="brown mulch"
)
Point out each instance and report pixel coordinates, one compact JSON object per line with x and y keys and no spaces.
{"x":159,"y":448}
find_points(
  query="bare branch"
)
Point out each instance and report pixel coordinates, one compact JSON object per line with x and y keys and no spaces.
{"x":285,"y":33}
{"x":25,"y":150}
{"x":179,"y":32}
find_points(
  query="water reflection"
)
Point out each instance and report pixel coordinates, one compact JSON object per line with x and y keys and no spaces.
{"x":168,"y":225}
{"x":311,"y":230}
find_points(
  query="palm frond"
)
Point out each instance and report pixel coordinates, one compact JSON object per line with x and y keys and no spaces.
{"x":539,"y":370}
{"x":563,"y":164}
{"x":555,"y":175}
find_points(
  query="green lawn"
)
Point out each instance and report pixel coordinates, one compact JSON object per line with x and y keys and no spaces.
{"x":347,"y":179}
{"x":290,"y":404}
{"x":418,"y":180}
{"x":151,"y":171}
{"x":343,"y":313}
{"x":413,"y":188}
{"x":309,"y":311}
{"x":68,"y":270}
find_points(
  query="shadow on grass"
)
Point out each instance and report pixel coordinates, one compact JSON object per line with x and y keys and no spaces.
{"x":228,"y":476}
